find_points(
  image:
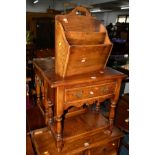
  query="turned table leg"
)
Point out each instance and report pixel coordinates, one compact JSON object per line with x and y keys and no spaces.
{"x":44,"y":89}
{"x":50,"y":101}
{"x":113,"y":104}
{"x":112,"y":114}
{"x":59,"y":140}
{"x":50,"y":112}
{"x":59,"y":113}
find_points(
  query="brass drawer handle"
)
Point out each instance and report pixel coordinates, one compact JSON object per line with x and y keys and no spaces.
{"x":93,"y":77}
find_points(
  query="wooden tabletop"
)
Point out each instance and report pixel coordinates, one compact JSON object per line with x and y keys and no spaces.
{"x":46,"y":67}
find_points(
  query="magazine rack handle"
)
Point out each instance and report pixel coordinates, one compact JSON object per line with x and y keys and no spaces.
{"x":81,"y":10}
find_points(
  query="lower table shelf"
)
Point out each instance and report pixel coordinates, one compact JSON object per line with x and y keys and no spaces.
{"x":83,"y":125}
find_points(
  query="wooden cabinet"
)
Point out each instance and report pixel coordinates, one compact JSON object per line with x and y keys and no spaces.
{"x":42,"y":27}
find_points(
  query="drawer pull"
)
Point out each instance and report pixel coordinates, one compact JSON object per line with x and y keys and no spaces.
{"x":86,"y":144}
{"x":93,"y":77}
{"x":126,"y":120}
{"x":83,"y":60}
{"x":101,"y":72}
{"x":46,"y":153}
{"x":91,"y":92}
{"x":113,"y":144}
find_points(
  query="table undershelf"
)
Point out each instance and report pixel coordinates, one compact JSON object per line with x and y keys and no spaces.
{"x":82,"y":125}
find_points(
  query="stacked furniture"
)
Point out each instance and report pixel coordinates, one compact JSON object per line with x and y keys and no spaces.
{"x":71,"y":86}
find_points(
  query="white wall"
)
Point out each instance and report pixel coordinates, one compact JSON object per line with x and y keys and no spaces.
{"x":109,"y":17}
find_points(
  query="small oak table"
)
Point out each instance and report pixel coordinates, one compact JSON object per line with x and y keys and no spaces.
{"x":55,"y":95}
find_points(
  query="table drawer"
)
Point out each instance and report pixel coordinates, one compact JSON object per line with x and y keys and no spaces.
{"x":87,"y":92}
